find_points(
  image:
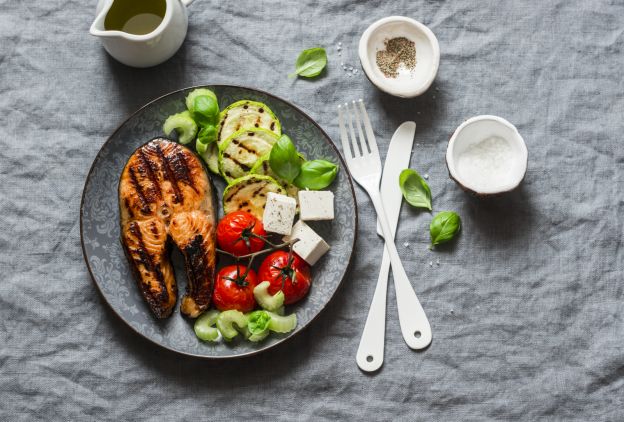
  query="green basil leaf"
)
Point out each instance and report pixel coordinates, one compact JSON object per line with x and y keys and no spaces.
{"x":258,"y":322}
{"x":316,"y":174}
{"x":205,"y":110}
{"x":444,"y":226}
{"x":206,"y":136}
{"x":284,"y":159}
{"x":310,"y":63}
{"x":415,"y":190}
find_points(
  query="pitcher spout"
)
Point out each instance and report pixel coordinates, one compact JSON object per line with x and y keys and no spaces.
{"x":97,"y":28}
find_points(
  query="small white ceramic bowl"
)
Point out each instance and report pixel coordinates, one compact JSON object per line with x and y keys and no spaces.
{"x":407,"y":84}
{"x":472,"y":132}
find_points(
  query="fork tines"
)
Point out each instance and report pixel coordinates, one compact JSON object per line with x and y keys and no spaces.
{"x":354,"y":116}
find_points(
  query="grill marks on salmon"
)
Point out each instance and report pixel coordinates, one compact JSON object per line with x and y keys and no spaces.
{"x":146,"y":247}
{"x":165,"y":194}
{"x":193,"y":235}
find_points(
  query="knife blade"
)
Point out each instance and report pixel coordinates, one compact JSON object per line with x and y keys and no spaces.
{"x":371,"y":350}
{"x":397,"y":160}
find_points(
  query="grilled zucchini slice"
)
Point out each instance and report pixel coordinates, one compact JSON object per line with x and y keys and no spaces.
{"x":262,"y":166}
{"x":246,"y":114}
{"x":239,"y":153}
{"x":249,"y":193}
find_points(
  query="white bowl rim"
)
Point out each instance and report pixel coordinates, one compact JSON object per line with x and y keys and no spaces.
{"x":517,"y":139}
{"x":380,"y":82}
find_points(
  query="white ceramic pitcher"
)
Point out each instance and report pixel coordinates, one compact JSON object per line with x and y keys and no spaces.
{"x":148,"y":49}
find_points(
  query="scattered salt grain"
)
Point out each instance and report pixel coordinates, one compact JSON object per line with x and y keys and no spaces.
{"x":340,"y":43}
{"x":355,"y":71}
{"x":452,"y":312}
{"x":438,"y":261}
{"x":426,"y":176}
{"x":406,"y":244}
{"x":431,"y":263}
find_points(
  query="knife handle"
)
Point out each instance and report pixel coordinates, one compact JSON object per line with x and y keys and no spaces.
{"x":370,"y":353}
{"x":412,"y":318}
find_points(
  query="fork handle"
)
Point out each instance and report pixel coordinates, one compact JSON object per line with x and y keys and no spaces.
{"x":370,"y":353}
{"x":412,"y":318}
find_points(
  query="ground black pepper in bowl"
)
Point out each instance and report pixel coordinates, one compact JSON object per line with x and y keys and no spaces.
{"x":399,"y":50}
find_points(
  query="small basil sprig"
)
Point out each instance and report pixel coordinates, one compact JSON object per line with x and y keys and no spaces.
{"x":205,"y":110}
{"x":206,"y":136}
{"x":316,"y":174}
{"x":310,"y":63}
{"x":415,"y":190}
{"x":444,"y":227}
{"x":284,"y":159}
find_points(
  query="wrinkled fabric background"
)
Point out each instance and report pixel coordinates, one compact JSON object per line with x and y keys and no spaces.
{"x":526,"y":307}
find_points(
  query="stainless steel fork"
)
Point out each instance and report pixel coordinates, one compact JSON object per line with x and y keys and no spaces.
{"x":362,"y":157}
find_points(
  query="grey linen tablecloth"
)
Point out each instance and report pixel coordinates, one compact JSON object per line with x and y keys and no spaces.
{"x":526,"y":307}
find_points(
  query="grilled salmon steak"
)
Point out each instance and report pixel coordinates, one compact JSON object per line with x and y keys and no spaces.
{"x":165,"y":194}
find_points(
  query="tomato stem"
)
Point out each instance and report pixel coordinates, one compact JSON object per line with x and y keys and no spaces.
{"x":272,"y":248}
{"x":240,"y":280}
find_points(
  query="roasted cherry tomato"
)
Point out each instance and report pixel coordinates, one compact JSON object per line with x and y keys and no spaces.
{"x":240,"y":233}
{"x":288,"y":273}
{"x":233,"y":289}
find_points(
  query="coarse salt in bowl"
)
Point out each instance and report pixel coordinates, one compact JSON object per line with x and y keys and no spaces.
{"x":408,"y":83}
{"x":487,"y":156}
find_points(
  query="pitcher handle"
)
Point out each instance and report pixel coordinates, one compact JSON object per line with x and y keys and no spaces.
{"x":186,"y":2}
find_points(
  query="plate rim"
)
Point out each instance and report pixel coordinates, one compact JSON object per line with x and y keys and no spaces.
{"x":281,"y":341}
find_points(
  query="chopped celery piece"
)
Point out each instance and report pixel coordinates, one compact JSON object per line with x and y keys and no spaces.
{"x":245,"y":332}
{"x":258,"y":321}
{"x":264,"y":298}
{"x":227,"y":320}
{"x":282,"y":324}
{"x":255,"y":337}
{"x":258,"y":325}
{"x":211,"y":157}
{"x":258,"y":336}
{"x":184,"y":124}
{"x":190,"y":98}
{"x":200,"y":146}
{"x":204,"y":326}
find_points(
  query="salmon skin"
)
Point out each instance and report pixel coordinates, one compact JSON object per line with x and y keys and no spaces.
{"x":165,"y":197}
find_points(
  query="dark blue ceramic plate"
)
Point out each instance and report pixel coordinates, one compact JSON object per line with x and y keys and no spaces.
{"x":99,"y":225}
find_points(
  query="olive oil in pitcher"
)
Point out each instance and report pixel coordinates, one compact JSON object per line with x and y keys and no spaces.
{"x":138,"y":17}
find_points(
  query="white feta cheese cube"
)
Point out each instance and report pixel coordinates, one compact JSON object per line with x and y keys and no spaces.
{"x":316,"y":205}
{"x":279,"y":213}
{"x":311,"y":247}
